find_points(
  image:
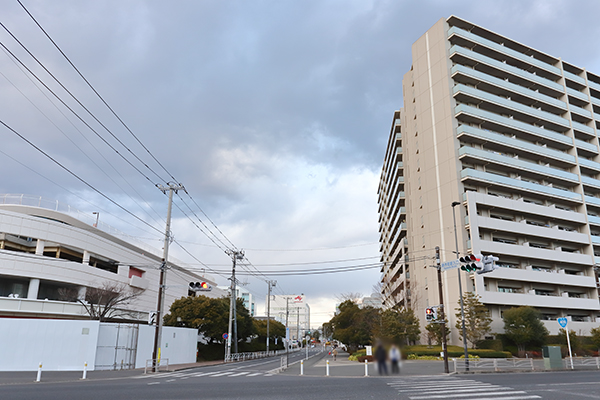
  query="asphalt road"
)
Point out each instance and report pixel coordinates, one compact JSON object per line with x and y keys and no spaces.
{"x":259,"y":379}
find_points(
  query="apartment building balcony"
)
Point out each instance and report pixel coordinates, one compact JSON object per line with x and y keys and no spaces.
{"x":593,"y":85}
{"x":586,"y":180}
{"x":489,"y":179}
{"x":533,"y":300}
{"x":508,"y":52}
{"x":589,"y":164}
{"x":590,"y":147}
{"x":524,"y":229}
{"x":466,"y":56}
{"x":582,"y":112}
{"x":583,"y":128}
{"x":502,"y":105}
{"x":517,"y":145}
{"x":553,"y":278}
{"x":508,"y":163}
{"x":574,"y":78}
{"x":465,"y":74}
{"x":477,"y":115}
{"x":577,"y":94}
{"x":525,"y":251}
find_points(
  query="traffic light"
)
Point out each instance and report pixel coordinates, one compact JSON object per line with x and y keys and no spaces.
{"x":489,"y":264}
{"x":471,"y":262}
{"x":429,"y":313}
{"x":435,"y":313}
{"x":200,"y":286}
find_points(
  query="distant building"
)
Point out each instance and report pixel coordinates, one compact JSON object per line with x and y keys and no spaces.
{"x":371,"y":301}
{"x":292,"y":311}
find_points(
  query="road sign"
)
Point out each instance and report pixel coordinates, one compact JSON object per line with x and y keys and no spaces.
{"x":152,"y":318}
{"x":225,"y":336}
{"x":562,"y":322}
{"x":450,"y":265}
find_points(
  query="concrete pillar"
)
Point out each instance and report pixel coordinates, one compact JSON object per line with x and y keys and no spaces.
{"x":86,"y":257}
{"x":39,"y":247}
{"x":81,"y":293}
{"x":34,"y":287}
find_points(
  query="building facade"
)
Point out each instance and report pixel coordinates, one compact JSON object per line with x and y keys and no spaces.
{"x":292,"y":311}
{"x":502,"y":139}
{"x":49,"y":258}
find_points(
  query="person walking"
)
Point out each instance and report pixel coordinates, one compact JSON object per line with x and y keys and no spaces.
{"x":334,"y":353}
{"x":381,"y":357}
{"x":395,"y":359}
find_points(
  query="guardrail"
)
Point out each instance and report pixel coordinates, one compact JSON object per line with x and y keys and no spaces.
{"x":160,"y":363}
{"x":582,"y":362}
{"x":256,"y":354}
{"x":493,"y":364}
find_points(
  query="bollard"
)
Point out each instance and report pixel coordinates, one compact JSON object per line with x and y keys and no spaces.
{"x":39,"y":374}
{"x":366,"y":368}
{"x":84,"y":371}
{"x":301,"y":367}
{"x":327,"y":367}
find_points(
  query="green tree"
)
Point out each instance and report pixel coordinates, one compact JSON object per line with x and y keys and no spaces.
{"x":434,"y":332}
{"x":354,"y":326}
{"x":595,"y":332}
{"x":477,"y":318}
{"x":523,"y":327}
{"x":573,"y":338}
{"x":400,"y":326}
{"x":276,"y":329}
{"x":210,"y":316}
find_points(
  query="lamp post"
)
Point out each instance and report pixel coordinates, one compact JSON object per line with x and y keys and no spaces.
{"x":462,"y":306}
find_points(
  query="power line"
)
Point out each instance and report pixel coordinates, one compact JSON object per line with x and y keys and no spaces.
{"x":76,"y":176}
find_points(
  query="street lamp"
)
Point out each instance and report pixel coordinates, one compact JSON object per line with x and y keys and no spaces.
{"x":462,"y":306}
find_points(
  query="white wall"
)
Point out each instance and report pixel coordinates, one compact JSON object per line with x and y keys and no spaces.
{"x":60,"y":345}
{"x":65,"y":345}
{"x":177,"y":344}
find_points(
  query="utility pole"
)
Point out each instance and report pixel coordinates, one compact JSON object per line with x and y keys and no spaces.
{"x":270,"y":284}
{"x":235,"y":255}
{"x":172,"y":187}
{"x":442,"y":316}
{"x":462,"y":306}
{"x":287,"y":332}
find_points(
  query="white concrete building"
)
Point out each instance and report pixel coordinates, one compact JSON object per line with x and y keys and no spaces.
{"x":292,"y":311}
{"x":43,"y":250}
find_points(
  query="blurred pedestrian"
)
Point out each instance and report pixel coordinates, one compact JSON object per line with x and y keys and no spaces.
{"x":395,"y":359}
{"x":381,"y":357}
{"x":334,"y":352}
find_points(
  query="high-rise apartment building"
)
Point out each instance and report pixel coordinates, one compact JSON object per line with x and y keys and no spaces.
{"x":509,"y":134}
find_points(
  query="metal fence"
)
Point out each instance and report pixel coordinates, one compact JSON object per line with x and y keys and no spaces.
{"x":520,"y":364}
{"x":493,"y":364}
{"x":255,"y":355}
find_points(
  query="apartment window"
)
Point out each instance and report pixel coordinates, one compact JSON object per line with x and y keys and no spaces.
{"x":536,"y":223}
{"x":503,"y":289}
{"x":502,"y":217}
{"x":507,"y":265}
{"x":539,"y":245}
{"x":542,"y":292}
{"x":504,"y":240}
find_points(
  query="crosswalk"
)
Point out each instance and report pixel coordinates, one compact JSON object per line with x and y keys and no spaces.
{"x":422,"y":388}
{"x":168,"y":377}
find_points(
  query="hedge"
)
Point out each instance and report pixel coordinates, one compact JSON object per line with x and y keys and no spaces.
{"x":482,"y":353}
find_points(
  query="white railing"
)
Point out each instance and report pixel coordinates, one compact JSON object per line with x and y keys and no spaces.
{"x":582,"y":362}
{"x":256,"y":354}
{"x":493,"y":364}
{"x":150,"y":365}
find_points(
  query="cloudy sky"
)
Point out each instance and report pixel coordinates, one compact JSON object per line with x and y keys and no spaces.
{"x":273,"y":114}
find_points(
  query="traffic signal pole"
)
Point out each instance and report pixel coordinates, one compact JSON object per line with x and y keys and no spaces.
{"x":443,"y":317}
{"x":462,"y":305}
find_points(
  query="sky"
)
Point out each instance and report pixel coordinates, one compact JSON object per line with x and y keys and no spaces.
{"x":274,"y":116}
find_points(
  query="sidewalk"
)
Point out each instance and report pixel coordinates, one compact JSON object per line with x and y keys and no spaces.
{"x":22,"y":377}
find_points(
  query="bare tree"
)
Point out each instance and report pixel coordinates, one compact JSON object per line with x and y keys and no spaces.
{"x":352,"y":296}
{"x":108,"y":300}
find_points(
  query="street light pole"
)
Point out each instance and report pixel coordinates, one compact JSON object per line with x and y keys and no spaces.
{"x":271,"y":284}
{"x":462,"y":306}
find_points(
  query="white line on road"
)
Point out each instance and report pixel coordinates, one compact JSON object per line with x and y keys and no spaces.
{"x":240,"y":373}
{"x":446,"y":396}
{"x":456,"y":390}
{"x":154,"y":383}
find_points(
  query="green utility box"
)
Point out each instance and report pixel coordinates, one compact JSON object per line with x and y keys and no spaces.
{"x":552,"y":357}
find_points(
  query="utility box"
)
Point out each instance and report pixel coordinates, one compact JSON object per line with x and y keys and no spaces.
{"x":552,"y":357}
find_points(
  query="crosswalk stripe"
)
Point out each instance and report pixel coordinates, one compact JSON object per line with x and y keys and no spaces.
{"x":512,"y":398}
{"x":466,"y":389}
{"x":239,"y":374}
{"x":449,"y":395}
{"x":255,"y":374}
{"x":222,"y":374}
